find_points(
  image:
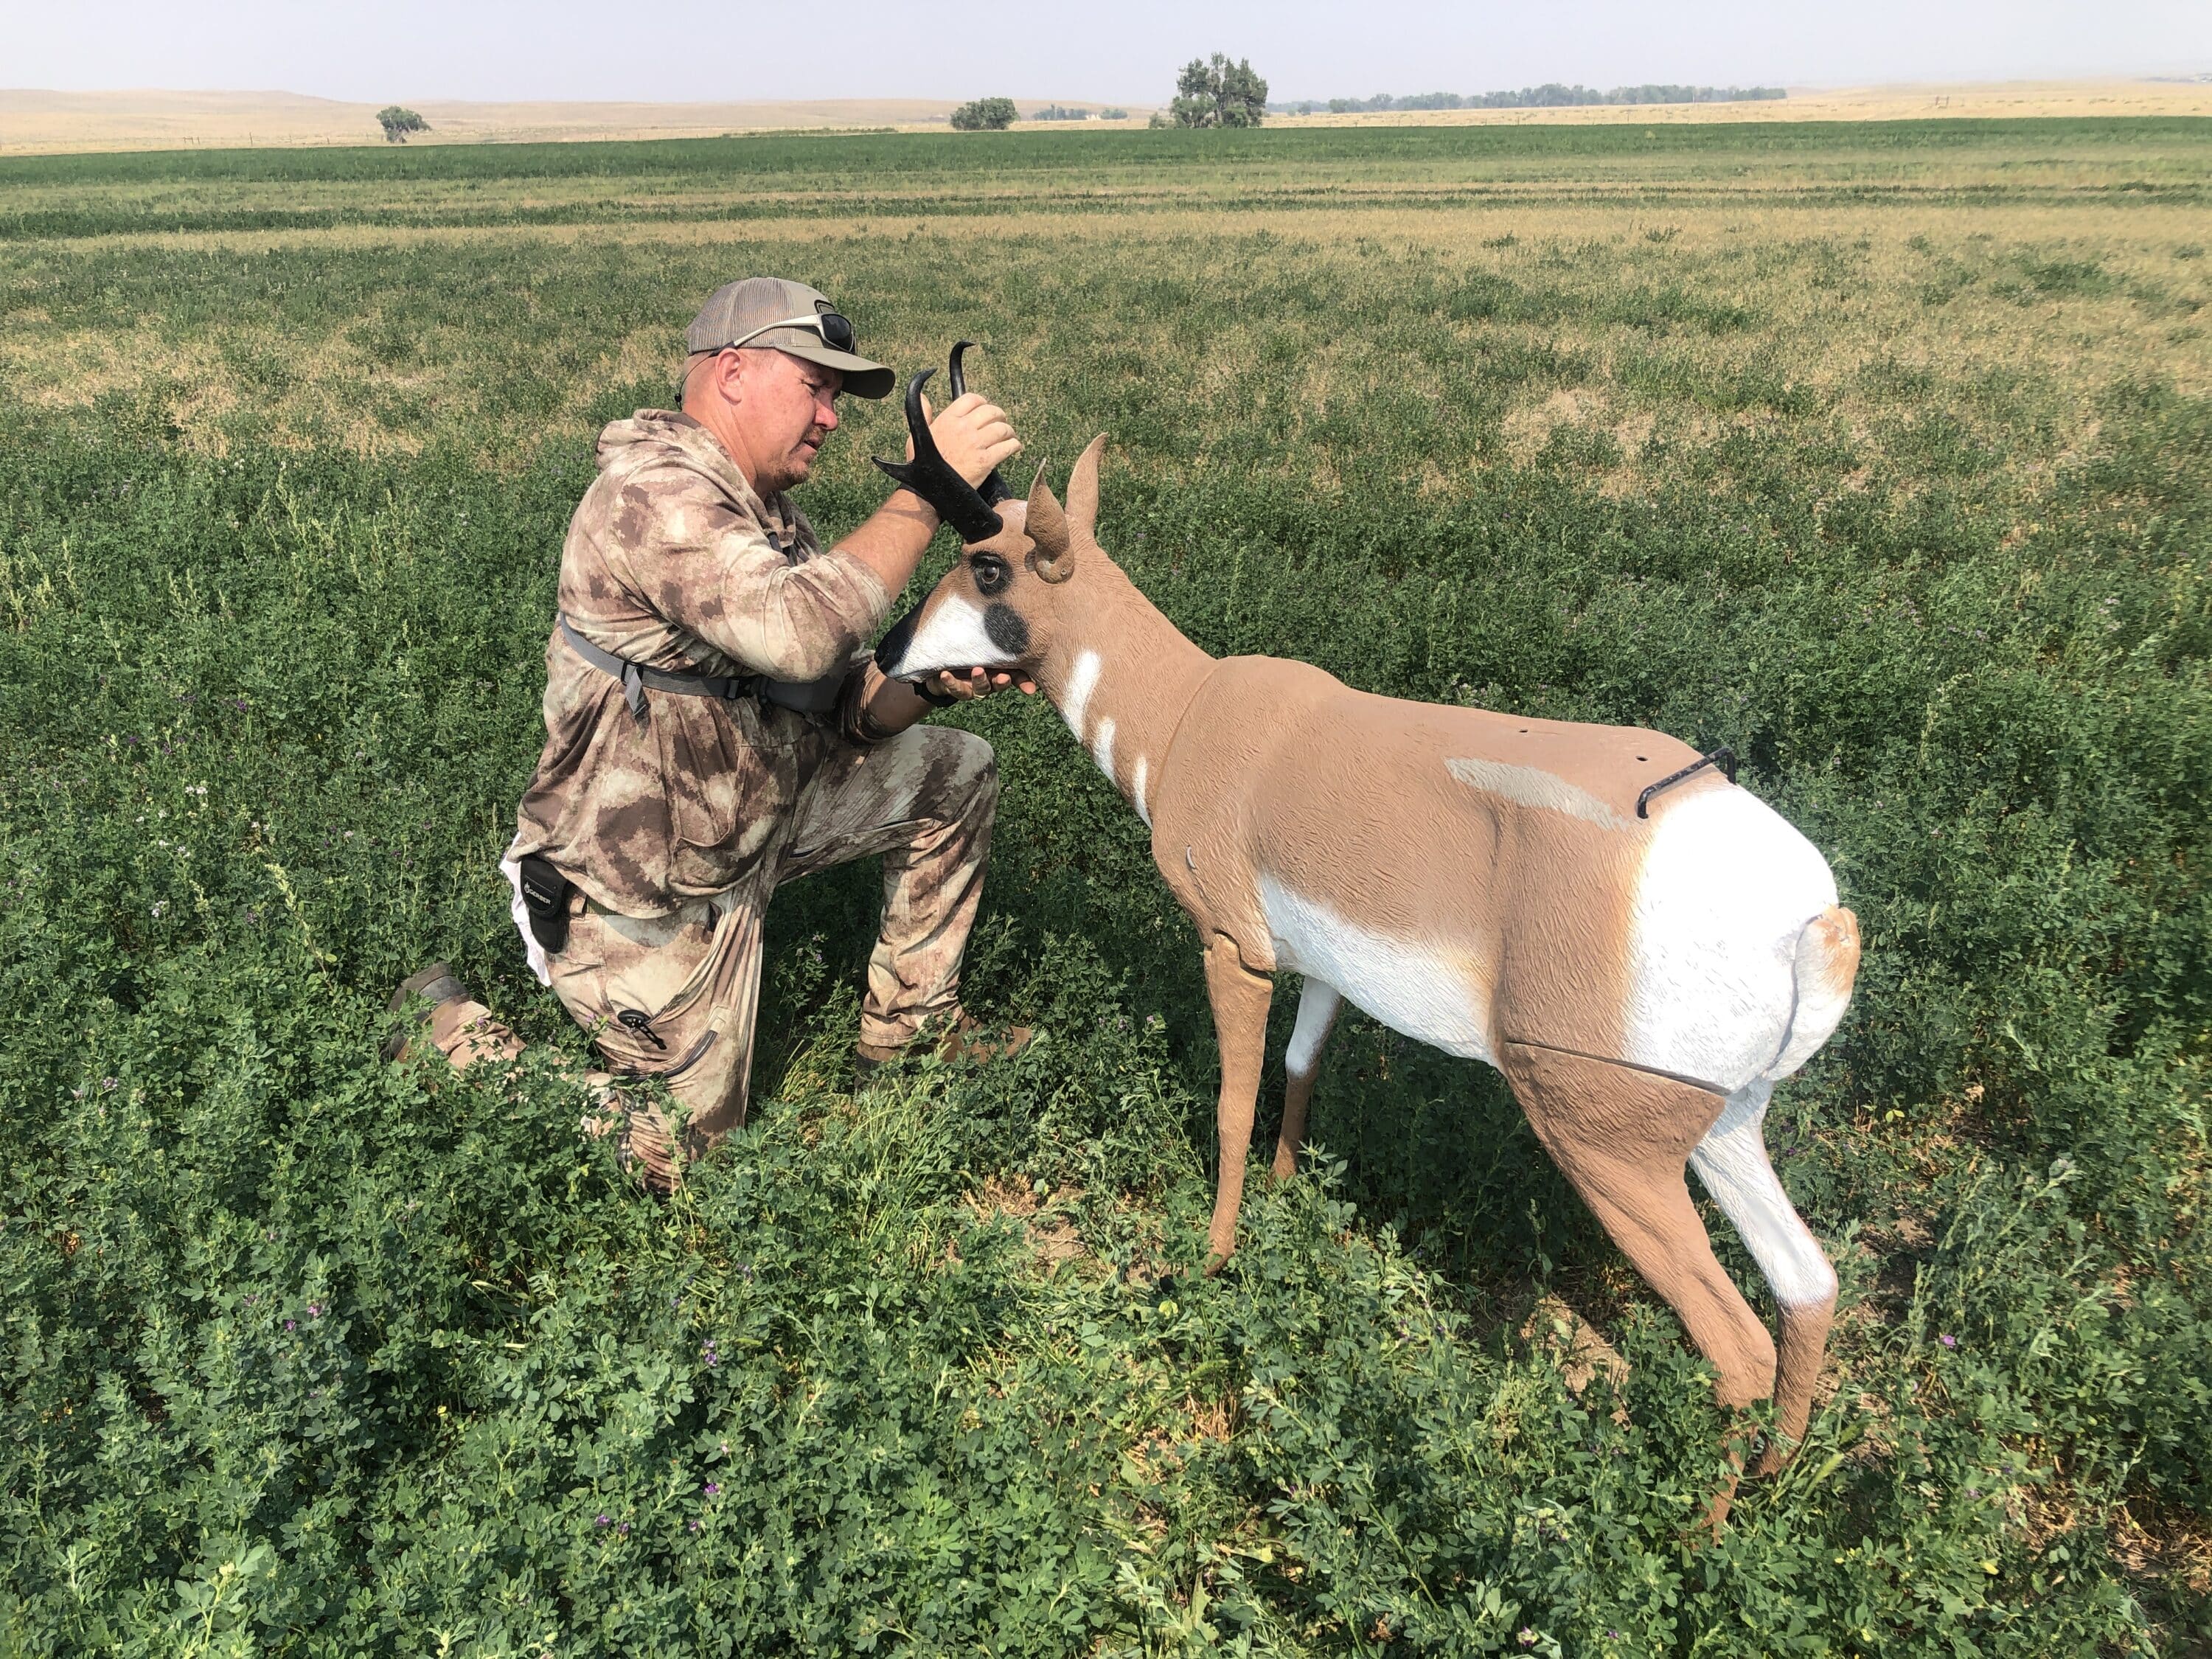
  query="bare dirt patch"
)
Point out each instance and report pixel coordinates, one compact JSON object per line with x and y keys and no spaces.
{"x":1051,"y":1234}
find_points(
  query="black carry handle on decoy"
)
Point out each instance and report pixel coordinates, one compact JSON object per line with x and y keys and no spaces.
{"x":957,"y":501}
{"x":1723,"y":757}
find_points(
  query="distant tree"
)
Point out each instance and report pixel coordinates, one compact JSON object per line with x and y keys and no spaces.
{"x":398,"y":123}
{"x":1113,"y":113}
{"x":1059,"y":113}
{"x":986,"y":115}
{"x":1244,"y":96}
{"x":1217,"y":93}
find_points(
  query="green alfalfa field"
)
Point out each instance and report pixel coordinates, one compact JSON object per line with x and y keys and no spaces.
{"x":1881,"y":453}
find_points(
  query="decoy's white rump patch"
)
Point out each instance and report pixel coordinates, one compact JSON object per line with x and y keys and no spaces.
{"x":1726,"y":890}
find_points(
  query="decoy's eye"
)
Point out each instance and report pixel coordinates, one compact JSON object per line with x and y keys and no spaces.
{"x":992,"y":576}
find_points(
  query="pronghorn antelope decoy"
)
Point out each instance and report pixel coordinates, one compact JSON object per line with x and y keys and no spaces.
{"x":1643,"y":967}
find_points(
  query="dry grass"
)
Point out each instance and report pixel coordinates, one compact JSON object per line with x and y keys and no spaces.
{"x":1847,"y":302}
{"x":54,"y":123}
{"x":60,"y":123}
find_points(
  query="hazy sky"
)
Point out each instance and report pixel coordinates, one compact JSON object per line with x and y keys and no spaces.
{"x":1124,"y":49}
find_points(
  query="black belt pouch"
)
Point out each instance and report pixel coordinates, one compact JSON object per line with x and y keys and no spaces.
{"x":545,"y":897}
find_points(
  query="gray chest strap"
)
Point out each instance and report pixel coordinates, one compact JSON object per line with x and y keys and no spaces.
{"x":636,"y":680}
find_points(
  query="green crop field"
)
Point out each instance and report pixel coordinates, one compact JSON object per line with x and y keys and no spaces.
{"x":1881,"y":453}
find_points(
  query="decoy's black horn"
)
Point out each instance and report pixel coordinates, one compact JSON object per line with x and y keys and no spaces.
{"x":930,"y":477}
{"x":994,"y":489}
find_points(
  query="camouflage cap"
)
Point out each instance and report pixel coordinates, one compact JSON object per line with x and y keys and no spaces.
{"x":767,"y":311}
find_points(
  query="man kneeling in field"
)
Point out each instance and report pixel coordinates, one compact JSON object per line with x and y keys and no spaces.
{"x":715,"y":727}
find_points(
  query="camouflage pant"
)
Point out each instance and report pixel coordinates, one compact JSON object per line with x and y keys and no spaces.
{"x":673,"y":997}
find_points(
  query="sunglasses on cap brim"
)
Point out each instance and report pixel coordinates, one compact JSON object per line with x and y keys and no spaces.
{"x":836,"y":332}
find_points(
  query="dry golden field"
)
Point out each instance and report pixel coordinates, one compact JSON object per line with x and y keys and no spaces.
{"x":54,"y":123}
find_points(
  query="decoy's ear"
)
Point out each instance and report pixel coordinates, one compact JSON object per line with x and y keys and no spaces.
{"x":1054,"y":558}
{"x":1082,"y":490}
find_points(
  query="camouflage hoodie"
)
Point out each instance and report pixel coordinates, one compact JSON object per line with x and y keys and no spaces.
{"x":674,"y":562}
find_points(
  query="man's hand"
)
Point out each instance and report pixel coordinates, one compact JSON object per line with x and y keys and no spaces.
{"x":971,"y":435}
{"x":891,"y":706}
{"x":976,"y":683}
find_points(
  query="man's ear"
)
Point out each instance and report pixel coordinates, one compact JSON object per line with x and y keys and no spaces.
{"x":704,"y":377}
{"x":729,"y":376}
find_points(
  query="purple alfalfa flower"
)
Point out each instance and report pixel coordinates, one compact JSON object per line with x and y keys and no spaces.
{"x":314,"y":1310}
{"x":694,"y":1525}
{"x":623,"y":1529}
{"x":1948,"y":1340}
{"x":712,"y":1489}
{"x":291,"y":1324}
{"x":709,"y":1353}
{"x":603,"y":1521}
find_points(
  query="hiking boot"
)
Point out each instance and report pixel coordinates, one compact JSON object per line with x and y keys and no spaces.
{"x":437,"y":985}
{"x":963,"y":1044}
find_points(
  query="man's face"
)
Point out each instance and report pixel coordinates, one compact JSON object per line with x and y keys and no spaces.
{"x":786,"y":409}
